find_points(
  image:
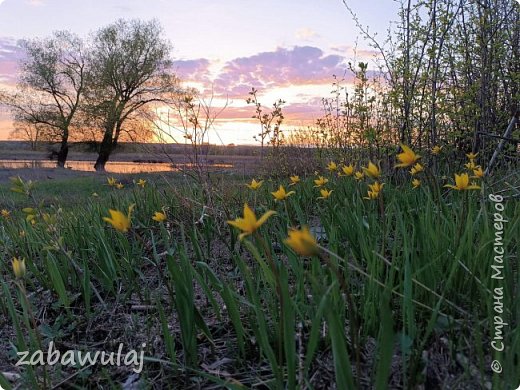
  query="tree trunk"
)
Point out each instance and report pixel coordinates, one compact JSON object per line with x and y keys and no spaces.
{"x":62,"y":155}
{"x":64,"y":150}
{"x":102,"y":159}
{"x":105,"y":148}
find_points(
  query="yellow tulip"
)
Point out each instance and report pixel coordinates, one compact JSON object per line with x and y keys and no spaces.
{"x":359,"y":175}
{"x":320,"y":181}
{"x":141,"y":183}
{"x":111,"y":181}
{"x":478,"y":172}
{"x":348,"y":170}
{"x":159,"y":217}
{"x":472,"y":156}
{"x":120,"y":186}
{"x":462,"y":183}
{"x":416,"y":169}
{"x":376,"y":187}
{"x":302,"y":242}
{"x":18,"y":267}
{"x":332,"y":166}
{"x":294,"y":180}
{"x":416,"y":183}
{"x":471,"y":165}
{"x":255,"y":184}
{"x":119,"y":220}
{"x":281,"y":194}
{"x":407,"y":157}
{"x":249,"y":224}
{"x":372,"y":195}
{"x":5,"y":213}
{"x":372,"y":170}
{"x":436,"y":150}
{"x":325,"y":194}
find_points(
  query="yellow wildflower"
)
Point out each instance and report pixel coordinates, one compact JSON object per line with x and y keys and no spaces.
{"x":407,"y":157}
{"x":374,"y":191}
{"x":5,"y":213}
{"x":120,"y":186}
{"x":320,"y":181}
{"x":294,"y":180}
{"x":416,"y":183}
{"x":111,"y":181}
{"x":462,"y":183}
{"x":416,"y":169}
{"x":141,"y":183}
{"x":281,"y":194}
{"x":376,"y":187}
{"x":436,"y":150}
{"x":302,"y":242}
{"x":372,"y":170}
{"x":325,"y":194}
{"x":359,"y":175}
{"x":472,"y":156}
{"x":18,"y":267}
{"x":348,"y":170}
{"x":249,"y":224}
{"x":118,"y":220}
{"x":159,"y":217}
{"x":478,"y":172}
{"x":471,"y":165}
{"x":372,"y":195}
{"x":255,"y":184}
{"x":332,"y":166}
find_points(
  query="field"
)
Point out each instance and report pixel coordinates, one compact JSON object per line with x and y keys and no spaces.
{"x":352,"y":277}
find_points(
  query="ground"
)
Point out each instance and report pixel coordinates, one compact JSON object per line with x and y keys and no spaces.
{"x":154,"y":276}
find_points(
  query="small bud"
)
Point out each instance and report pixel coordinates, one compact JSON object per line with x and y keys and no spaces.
{"x":18,"y":267}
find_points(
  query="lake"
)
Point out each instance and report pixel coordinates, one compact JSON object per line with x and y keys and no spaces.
{"x":111,"y":166}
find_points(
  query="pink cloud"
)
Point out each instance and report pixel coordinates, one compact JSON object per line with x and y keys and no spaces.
{"x":283,"y":67}
{"x":10,"y":56}
{"x":294,"y":113}
{"x":192,"y":70}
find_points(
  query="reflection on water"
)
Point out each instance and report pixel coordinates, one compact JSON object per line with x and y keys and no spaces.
{"x":114,"y":167}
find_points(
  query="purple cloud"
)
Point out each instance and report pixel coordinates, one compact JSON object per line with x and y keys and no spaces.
{"x":298,"y":65}
{"x":192,"y":70}
{"x":10,"y":56}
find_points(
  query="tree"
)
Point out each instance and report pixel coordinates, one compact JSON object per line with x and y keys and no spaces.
{"x":270,"y":130}
{"x":27,"y":132}
{"x":130,"y":69}
{"x":51,"y":87}
{"x":451,"y":68}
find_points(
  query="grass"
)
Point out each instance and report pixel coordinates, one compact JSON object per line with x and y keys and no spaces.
{"x":397,"y":294}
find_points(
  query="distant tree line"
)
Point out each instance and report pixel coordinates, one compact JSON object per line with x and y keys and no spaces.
{"x":92,"y":90}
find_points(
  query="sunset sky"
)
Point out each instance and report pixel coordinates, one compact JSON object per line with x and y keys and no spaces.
{"x":286,"y":49}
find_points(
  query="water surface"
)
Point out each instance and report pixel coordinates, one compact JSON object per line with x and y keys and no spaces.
{"x":111,"y":166}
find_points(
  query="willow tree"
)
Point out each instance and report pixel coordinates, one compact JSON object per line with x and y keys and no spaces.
{"x":50,"y":87}
{"x":130,"y":69}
